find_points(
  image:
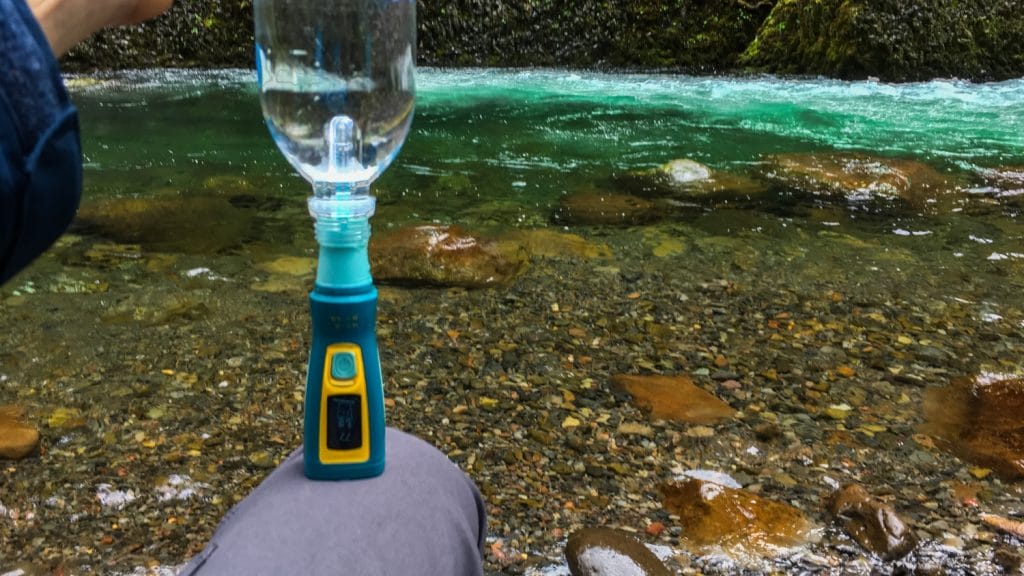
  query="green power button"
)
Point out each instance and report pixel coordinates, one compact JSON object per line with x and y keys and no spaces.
{"x":343,"y":366}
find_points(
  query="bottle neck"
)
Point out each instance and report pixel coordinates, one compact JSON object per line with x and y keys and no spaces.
{"x":342,"y":228}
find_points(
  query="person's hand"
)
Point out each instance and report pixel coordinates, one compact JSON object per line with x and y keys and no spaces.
{"x":68,"y":22}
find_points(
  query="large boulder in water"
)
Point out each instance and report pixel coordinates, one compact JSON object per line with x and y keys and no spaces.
{"x":859,"y":178}
{"x":444,"y":256}
{"x":895,"y":40}
{"x":189,"y":224}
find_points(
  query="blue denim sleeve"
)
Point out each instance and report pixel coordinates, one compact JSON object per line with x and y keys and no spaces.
{"x":40,"y":153}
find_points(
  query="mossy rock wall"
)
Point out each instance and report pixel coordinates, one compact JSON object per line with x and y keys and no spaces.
{"x":691,"y":35}
{"x":193,"y":33}
{"x":890,"y":39}
{"x":896,"y":40}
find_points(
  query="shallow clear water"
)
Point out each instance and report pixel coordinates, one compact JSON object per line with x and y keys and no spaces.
{"x":781,"y":293}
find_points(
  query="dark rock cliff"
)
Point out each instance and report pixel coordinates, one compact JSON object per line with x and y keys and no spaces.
{"x":891,"y":39}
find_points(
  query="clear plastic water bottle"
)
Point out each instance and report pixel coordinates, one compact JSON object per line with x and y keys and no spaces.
{"x":337,"y":86}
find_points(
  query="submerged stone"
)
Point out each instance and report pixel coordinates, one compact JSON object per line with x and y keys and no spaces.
{"x":289,"y":266}
{"x":593,"y":208}
{"x":739,"y":523}
{"x":548,"y":243}
{"x":979,"y":420}
{"x":189,"y":224}
{"x":859,"y":178}
{"x":444,"y":256}
{"x":609,"y":552}
{"x":112,"y":255}
{"x":158,"y":308}
{"x":18,"y":440}
{"x":1005,"y":182}
{"x":872,"y":523}
{"x":675,"y":398}
{"x":688,"y":180}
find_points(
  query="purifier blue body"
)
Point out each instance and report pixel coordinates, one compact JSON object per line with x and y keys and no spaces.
{"x":349,"y":316}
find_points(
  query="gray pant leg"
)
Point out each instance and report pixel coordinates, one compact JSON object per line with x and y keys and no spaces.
{"x":421,"y":517}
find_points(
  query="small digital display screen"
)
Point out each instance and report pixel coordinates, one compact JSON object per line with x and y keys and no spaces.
{"x":344,"y":422}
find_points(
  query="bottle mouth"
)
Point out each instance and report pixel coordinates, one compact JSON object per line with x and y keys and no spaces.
{"x":342,"y":207}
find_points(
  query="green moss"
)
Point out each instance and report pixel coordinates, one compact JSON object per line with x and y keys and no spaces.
{"x":892,"y":39}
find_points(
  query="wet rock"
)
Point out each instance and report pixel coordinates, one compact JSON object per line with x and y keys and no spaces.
{"x":17,"y":439}
{"x":1004,"y":182}
{"x":547,"y":243}
{"x":112,"y":255}
{"x":859,"y":178}
{"x":1014,"y":527}
{"x":684,"y":172}
{"x":686,"y":179}
{"x":592,"y":208}
{"x":608,"y":552}
{"x":675,"y":398}
{"x":872,"y":523}
{"x":444,"y":256}
{"x":979,"y":421}
{"x":193,"y":225}
{"x":717,"y":518}
{"x":155,"y":308}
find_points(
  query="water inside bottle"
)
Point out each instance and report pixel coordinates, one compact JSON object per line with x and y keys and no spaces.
{"x":337,"y":84}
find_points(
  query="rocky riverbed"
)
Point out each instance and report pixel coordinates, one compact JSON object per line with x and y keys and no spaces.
{"x":165,"y":384}
{"x":776,"y":333}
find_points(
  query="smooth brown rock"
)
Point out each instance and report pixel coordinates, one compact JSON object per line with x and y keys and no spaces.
{"x":858,"y":177}
{"x":444,"y":256}
{"x":675,"y":398}
{"x":17,"y":439}
{"x":980,"y":422}
{"x":592,"y":208}
{"x":738,"y":522}
{"x":609,"y":552}
{"x":194,"y":225}
{"x":872,"y":523}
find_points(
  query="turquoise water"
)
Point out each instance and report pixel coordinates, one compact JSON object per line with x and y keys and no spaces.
{"x":532,"y":136}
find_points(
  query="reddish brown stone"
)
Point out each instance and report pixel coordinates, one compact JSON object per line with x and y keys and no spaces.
{"x":675,"y":398}
{"x":740,"y":522}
